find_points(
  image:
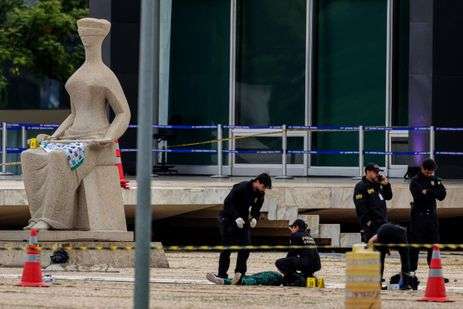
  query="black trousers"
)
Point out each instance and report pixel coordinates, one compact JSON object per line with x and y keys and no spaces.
{"x":293,"y":264}
{"x":232,"y":235}
{"x":424,"y":229}
{"x":404,"y":253}
{"x":289,"y":267}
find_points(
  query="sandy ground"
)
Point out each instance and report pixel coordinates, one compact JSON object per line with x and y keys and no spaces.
{"x":184,"y":286}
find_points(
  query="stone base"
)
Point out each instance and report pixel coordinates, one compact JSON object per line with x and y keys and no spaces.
{"x":61,"y":236}
{"x":83,"y":259}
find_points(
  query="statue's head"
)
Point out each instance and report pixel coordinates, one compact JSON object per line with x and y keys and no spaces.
{"x":92,"y":30}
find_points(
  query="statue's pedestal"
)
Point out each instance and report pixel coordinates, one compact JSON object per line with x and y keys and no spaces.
{"x":83,"y":254}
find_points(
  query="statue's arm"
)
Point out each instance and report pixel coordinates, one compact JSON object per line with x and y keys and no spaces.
{"x":118,"y":102}
{"x":65,"y":124}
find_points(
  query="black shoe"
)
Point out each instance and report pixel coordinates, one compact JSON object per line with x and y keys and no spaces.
{"x":409,"y":282}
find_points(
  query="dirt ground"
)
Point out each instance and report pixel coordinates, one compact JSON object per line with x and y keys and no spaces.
{"x":184,"y":286}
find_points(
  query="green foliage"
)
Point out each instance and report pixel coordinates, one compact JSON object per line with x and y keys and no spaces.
{"x":40,"y":39}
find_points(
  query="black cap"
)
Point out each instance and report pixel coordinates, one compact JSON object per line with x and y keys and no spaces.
{"x":300,"y":224}
{"x":429,"y":164}
{"x":373,"y":167}
{"x":264,"y":179}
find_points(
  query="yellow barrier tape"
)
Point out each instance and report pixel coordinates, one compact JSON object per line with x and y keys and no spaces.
{"x":10,"y":163}
{"x":221,"y":248}
{"x":212,"y":141}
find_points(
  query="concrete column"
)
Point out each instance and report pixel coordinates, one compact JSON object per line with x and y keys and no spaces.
{"x":420,"y":73}
{"x":164,"y":69}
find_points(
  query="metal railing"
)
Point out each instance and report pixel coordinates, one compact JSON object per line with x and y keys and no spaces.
{"x":280,"y":131}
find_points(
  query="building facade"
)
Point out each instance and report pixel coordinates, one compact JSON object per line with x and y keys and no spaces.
{"x":298,"y":63}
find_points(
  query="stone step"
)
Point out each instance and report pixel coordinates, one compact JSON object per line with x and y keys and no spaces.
{"x":347,"y":240}
{"x":331,"y":231}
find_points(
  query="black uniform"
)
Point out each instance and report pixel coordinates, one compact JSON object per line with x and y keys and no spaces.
{"x":370,"y":204}
{"x":237,"y":204}
{"x":306,"y":261}
{"x":424,"y":226}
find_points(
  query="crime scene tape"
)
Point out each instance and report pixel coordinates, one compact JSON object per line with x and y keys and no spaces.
{"x":173,"y":248}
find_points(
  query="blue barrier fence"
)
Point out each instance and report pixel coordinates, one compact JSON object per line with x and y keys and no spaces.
{"x":24,"y":127}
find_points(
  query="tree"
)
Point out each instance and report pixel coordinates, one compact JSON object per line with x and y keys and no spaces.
{"x":40,"y":39}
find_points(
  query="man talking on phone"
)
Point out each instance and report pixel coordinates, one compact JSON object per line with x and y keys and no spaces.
{"x":370,"y":196}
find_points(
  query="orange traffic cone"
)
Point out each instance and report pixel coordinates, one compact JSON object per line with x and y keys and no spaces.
{"x":435,"y":288}
{"x":32,"y":270}
{"x":124,"y":183}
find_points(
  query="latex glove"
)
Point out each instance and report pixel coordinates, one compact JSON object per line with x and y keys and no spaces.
{"x":253,"y":222}
{"x":239,"y":223}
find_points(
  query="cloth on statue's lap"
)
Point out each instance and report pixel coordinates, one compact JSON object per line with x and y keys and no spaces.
{"x":75,"y":152}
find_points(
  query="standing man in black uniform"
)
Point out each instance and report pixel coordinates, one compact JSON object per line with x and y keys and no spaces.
{"x":370,"y":196}
{"x":239,"y":215}
{"x":426,"y":188}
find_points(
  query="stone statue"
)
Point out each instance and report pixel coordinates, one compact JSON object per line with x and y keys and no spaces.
{"x":71,"y":180}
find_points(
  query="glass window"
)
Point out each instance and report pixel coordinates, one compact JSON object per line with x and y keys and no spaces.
{"x":350,"y":72}
{"x":270,"y":62}
{"x":270,"y":73}
{"x":199,"y":70}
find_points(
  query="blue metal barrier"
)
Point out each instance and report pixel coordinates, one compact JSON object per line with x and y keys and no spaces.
{"x":219,"y":151}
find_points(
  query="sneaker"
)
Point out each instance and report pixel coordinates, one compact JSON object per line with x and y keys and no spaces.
{"x":215,"y":279}
{"x":236,"y":279}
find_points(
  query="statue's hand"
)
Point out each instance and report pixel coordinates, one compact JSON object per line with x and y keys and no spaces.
{"x":101,"y":142}
{"x":43,"y":137}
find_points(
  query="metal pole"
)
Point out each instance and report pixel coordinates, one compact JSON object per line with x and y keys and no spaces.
{"x":23,"y":137}
{"x":148,"y":96}
{"x":232,"y":83}
{"x":23,"y":142}
{"x":219,"y":153}
{"x":284,"y":148}
{"x":361,"y":150}
{"x":308,"y":81}
{"x":231,"y":154}
{"x":4,"y":141}
{"x":387,"y":161}
{"x":432,"y":142}
{"x":389,"y":68}
{"x":156,"y":157}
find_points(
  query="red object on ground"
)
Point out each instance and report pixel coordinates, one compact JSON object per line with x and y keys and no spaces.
{"x":435,"y":288}
{"x":32,"y":270}
{"x":124,"y":183}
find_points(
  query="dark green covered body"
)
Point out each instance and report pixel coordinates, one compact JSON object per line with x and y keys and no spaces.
{"x":272,"y":278}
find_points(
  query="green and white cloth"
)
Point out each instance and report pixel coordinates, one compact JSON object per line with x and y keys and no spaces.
{"x":75,"y":152}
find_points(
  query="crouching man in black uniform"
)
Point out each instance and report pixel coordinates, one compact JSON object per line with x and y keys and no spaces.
{"x":239,"y":215}
{"x":424,"y":227}
{"x":299,"y":264}
{"x":394,"y":234}
{"x":370,"y":196}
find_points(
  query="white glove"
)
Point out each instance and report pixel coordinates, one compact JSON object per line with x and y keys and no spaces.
{"x":239,"y":223}
{"x":253,"y":222}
